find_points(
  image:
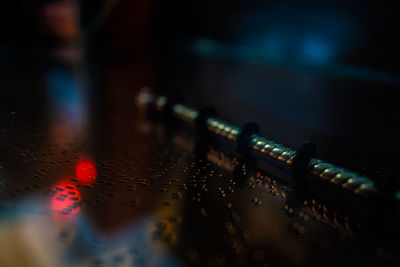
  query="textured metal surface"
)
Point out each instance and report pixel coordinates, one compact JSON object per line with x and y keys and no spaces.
{"x":143,"y":197}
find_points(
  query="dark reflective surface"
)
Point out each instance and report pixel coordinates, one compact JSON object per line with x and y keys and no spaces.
{"x":81,"y":186}
{"x":87,"y":178}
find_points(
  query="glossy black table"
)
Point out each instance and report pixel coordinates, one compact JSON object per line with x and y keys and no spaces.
{"x":87,"y":178}
{"x":131,"y":193}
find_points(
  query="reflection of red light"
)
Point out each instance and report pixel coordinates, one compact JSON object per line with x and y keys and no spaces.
{"x":86,"y":172}
{"x":66,"y":200}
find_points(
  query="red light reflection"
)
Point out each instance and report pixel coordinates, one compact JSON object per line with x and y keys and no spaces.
{"x":66,"y":200}
{"x":86,"y":172}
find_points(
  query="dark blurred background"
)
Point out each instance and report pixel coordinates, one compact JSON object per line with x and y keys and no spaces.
{"x":325,"y":71}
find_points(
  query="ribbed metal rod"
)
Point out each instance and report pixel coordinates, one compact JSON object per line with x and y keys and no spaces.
{"x":269,"y":149}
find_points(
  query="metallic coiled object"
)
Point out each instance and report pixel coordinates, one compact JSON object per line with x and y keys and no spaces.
{"x":347,"y":179}
{"x":269,"y":149}
{"x":223,"y":128}
{"x":184,"y":113}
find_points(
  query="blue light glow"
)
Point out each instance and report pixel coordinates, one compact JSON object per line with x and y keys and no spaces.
{"x":66,"y":95}
{"x":316,"y":51}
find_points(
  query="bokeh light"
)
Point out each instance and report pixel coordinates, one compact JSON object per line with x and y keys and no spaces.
{"x":65,"y":203}
{"x":86,"y":172}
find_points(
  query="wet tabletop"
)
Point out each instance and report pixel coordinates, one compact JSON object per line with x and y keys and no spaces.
{"x":134,"y":192}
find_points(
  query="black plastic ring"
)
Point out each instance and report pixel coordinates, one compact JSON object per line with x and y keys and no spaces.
{"x":243,"y":139}
{"x":301,"y":160}
{"x":201,"y":120}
